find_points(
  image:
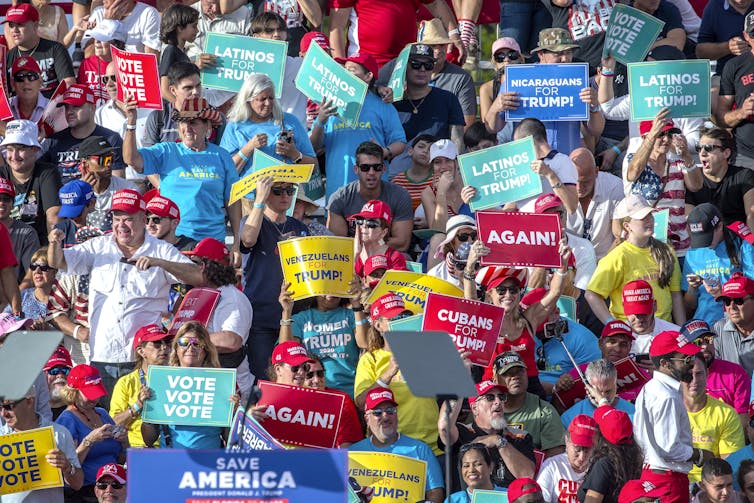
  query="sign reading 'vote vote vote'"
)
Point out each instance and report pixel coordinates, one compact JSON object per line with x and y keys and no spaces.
{"x":22,"y":458}
{"x":190,"y":396}
{"x":138,"y":78}
{"x":630,"y":34}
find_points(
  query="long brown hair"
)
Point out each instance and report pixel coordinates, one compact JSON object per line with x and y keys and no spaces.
{"x":197,"y":329}
{"x":661,"y":253}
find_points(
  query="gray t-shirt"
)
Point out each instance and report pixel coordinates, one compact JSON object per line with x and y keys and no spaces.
{"x":347,"y":201}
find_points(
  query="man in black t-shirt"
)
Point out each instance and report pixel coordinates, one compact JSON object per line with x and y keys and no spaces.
{"x":53,"y":58}
{"x":730,"y":188}
{"x":672,"y":32}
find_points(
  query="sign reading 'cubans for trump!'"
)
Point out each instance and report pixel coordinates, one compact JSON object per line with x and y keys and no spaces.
{"x":520,"y":239}
{"x":501,"y":174}
{"x":317,"y":265}
{"x":22,"y":458}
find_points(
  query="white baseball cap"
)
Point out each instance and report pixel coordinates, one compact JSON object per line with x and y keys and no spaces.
{"x":443,"y":148}
{"x":105,"y":31}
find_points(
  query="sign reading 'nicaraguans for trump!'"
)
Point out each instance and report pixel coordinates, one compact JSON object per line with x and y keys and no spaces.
{"x":520,"y":239}
{"x":548,"y":92}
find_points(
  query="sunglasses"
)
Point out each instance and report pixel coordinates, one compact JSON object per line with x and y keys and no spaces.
{"x":107,"y":78}
{"x":104,"y":485}
{"x":401,"y":316}
{"x":369,"y":223}
{"x":318,"y":373}
{"x":687,"y":361}
{"x":41,"y":267}
{"x":490,"y":397}
{"x":278,"y":191}
{"x":105,"y":160}
{"x":417,"y":65}
{"x":502,"y":290}
{"x":56,"y":371}
{"x":160,"y":343}
{"x":376,"y":167}
{"x":500,"y":56}
{"x":12,"y":405}
{"x":154,"y":220}
{"x":296,"y":368}
{"x":464,"y":236}
{"x":185,"y":342}
{"x":739,"y":302}
{"x":708,"y":148}
{"x":31,"y":77}
{"x":390,"y":411}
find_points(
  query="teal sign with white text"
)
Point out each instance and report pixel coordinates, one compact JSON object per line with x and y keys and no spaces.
{"x":683,"y":86}
{"x":630,"y":34}
{"x":398,"y":77}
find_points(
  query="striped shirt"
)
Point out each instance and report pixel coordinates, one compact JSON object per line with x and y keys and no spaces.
{"x":414,"y":188}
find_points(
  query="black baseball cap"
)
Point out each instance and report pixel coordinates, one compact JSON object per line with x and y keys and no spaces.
{"x":94,"y":145}
{"x":702,"y":222}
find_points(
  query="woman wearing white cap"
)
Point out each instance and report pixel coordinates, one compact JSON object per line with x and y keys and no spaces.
{"x":442,"y":198}
{"x":459,"y":229}
{"x":505,"y":51}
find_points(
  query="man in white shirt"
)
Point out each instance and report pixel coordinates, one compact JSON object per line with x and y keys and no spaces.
{"x":661,"y":424}
{"x":561,"y":475}
{"x":639,"y":305}
{"x":141,"y":21}
{"x":130,"y":277}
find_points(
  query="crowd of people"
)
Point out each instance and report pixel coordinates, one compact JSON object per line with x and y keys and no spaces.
{"x":111,"y":214}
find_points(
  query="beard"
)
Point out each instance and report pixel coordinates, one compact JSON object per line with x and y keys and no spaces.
{"x":55,"y":391}
{"x":498,"y":423}
{"x":683,"y":375}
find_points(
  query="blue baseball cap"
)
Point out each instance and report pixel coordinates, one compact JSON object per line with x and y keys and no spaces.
{"x":693,"y":329}
{"x":73,"y":197}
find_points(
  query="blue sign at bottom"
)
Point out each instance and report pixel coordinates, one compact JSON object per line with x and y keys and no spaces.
{"x":206,"y":476}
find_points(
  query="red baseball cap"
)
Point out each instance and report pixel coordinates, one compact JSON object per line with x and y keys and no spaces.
{"x":582,"y":429}
{"x":115,"y":471}
{"x":6,"y":186}
{"x":737,"y":287}
{"x":162,"y":207}
{"x":491,"y":276}
{"x":671,"y":341}
{"x":291,"y":352}
{"x":617,"y":327}
{"x":87,"y":380}
{"x":77,"y":95}
{"x":25,"y":63}
{"x":375,"y":209}
{"x":211,"y":249}
{"x":484,"y":387}
{"x":646,"y":126}
{"x":636,"y":489}
{"x":21,"y":13}
{"x":615,"y":425}
{"x":638,"y":297}
{"x":128,"y":201}
{"x":377,"y":396}
{"x":546,"y":202}
{"x":363,"y":59}
{"x":59,"y":358}
{"x":149,"y":333}
{"x":532,"y":297}
{"x":314,"y":36}
{"x":374,"y":263}
{"x":521,"y":487}
{"x":389,"y":305}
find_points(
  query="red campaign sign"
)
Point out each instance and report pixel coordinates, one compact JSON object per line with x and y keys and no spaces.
{"x":299,"y":416}
{"x":5,"y":111}
{"x":474,"y":326}
{"x":631,"y":379}
{"x":743,"y":231}
{"x":197,"y":305}
{"x":138,"y":75}
{"x":520,"y":239}
{"x":53,"y":118}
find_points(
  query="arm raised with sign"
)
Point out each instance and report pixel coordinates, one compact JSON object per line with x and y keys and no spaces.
{"x":131,"y":154}
{"x":641,"y":158}
{"x":538,"y":312}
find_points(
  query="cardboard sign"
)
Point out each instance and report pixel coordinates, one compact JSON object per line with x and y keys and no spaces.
{"x":293,"y":173}
{"x":197,"y":305}
{"x":317,"y":265}
{"x":22,"y":458}
{"x":190,"y":396}
{"x":742,"y":230}
{"x":520,"y":239}
{"x":301,"y":416}
{"x":682,"y":86}
{"x":239,"y":56}
{"x":501,"y":174}
{"x":474,"y":326}
{"x":213,"y":476}
{"x":548,"y":92}
{"x":630,"y":34}
{"x":397,"y":80}
{"x":484,"y":496}
{"x":393,"y":477}
{"x":321,"y":76}
{"x":662,"y":219}
{"x":630,"y":381}
{"x":246,"y":435}
{"x":413,"y":266}
{"x":138,"y":77}
{"x":413,"y":288}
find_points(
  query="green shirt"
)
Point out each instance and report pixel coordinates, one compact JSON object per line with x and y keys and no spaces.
{"x":540,"y":420}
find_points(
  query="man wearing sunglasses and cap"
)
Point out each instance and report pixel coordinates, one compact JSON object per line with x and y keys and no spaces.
{"x":111,"y":484}
{"x":26,"y":83}
{"x":734,"y":331}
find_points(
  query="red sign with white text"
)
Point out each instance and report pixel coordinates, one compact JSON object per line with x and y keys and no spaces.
{"x":299,"y":416}
{"x":631,"y":379}
{"x":197,"y":305}
{"x":138,"y":76}
{"x":520,"y":239}
{"x":53,"y":118}
{"x":743,"y":231}
{"x":474,"y":326}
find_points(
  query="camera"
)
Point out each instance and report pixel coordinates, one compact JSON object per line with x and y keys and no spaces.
{"x":555,"y":329}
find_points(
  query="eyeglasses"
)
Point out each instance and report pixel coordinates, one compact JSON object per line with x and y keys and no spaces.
{"x":185,"y":342}
{"x":687,"y":361}
{"x":739,"y":302}
{"x":464,"y":236}
{"x":278,"y":191}
{"x":12,"y":405}
{"x":376,"y":167}
{"x":41,"y":267}
{"x":105,"y":160}
{"x":56,"y":371}
{"x":417,"y":65}
{"x":104,"y":485}
{"x":502,"y":290}
{"x":708,"y":148}
{"x":370,"y":223}
{"x":500,"y":56}
{"x":318,"y":373}
{"x":390,"y":411}
{"x":490,"y":397}
{"x":154,"y":220}
{"x":106,"y":78}
{"x":31,"y":77}
{"x":541,"y":360}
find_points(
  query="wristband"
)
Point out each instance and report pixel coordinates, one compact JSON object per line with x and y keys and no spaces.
{"x":452,"y":32}
{"x":607,"y":73}
{"x":382,"y":383}
{"x":242,"y":155}
{"x":259,"y":206}
{"x":298,"y":159}
{"x":357,"y":309}
{"x":562,"y":274}
{"x":594,"y":109}
{"x":76,"y":332}
{"x":615,"y":149}
{"x":136,"y":407}
{"x":468,"y":276}
{"x":130,"y":127}
{"x":286,"y":323}
{"x":361,"y":323}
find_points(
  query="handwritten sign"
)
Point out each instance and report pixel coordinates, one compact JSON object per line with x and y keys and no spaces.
{"x":317,"y":265}
{"x":682,"y":86}
{"x":393,"y":477}
{"x":190,"y":395}
{"x":22,"y":458}
{"x":398,"y":76}
{"x":520,"y":239}
{"x":292,"y":173}
{"x":197,"y":305}
{"x":501,"y":174}
{"x":413,"y":288}
{"x":246,"y":434}
{"x":630,"y":34}
{"x":548,"y":92}
{"x":138,"y":78}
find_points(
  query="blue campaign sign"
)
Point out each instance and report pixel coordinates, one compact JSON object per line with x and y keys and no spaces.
{"x":294,"y":476}
{"x":247,"y":434}
{"x":548,"y":92}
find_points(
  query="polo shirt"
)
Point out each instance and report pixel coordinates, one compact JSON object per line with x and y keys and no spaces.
{"x":731,"y":345}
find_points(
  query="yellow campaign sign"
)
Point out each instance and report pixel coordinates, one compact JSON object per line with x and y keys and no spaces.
{"x":293,"y":173}
{"x":22,"y":459}
{"x":317,"y":265}
{"x":413,"y":288}
{"x":394,"y":477}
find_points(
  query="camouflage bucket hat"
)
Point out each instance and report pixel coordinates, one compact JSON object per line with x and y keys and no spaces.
{"x":555,"y":40}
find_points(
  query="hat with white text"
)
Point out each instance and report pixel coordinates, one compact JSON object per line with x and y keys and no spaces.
{"x":291,"y":352}
{"x":703,"y":220}
{"x":74,"y":196}
{"x":672,"y":341}
{"x":377,"y":396}
{"x":638,"y":297}
{"x":128,"y":201}
{"x":115,"y":471}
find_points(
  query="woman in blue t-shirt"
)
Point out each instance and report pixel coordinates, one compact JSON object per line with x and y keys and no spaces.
{"x":475,"y":467}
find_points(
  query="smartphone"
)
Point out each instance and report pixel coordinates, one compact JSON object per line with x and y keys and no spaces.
{"x":556,"y":328}
{"x":286,"y":136}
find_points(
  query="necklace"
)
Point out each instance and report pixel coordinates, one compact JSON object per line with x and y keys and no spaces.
{"x":33,"y":50}
{"x":91,"y":422}
{"x":416,"y":107}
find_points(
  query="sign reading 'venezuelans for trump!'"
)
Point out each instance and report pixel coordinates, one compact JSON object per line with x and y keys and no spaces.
{"x":520,"y":239}
{"x":548,"y":92}
{"x":317,"y":265}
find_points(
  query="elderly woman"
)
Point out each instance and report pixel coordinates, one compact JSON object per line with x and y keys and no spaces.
{"x":195,"y":174}
{"x":34,"y":300}
{"x":256,"y":121}
{"x":505,"y":51}
{"x":99,"y":441}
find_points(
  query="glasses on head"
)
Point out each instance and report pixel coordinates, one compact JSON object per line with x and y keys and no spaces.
{"x":490,"y":397}
{"x":41,"y":267}
{"x":370,"y":223}
{"x":318,"y":373}
{"x":541,"y":360}
{"x":390,"y":411}
{"x":31,"y":77}
{"x":707,"y":147}
{"x":417,"y":65}
{"x":185,"y":342}
{"x":154,"y":219}
{"x":687,"y":361}
{"x":739,"y":302}
{"x":107,"y":78}
{"x":12,"y":405}
{"x":278,"y":191}
{"x":472,"y":446}
{"x":501,"y":56}
{"x":104,"y":485}
{"x":56,"y":371}
{"x":464,"y":236}
{"x":105,"y":160}
{"x":376,"y":167}
{"x":502,"y":290}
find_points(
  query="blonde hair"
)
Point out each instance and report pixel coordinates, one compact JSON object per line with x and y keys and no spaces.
{"x":69,"y":394}
{"x":40,"y":254}
{"x":662,"y":254}
{"x":254,"y":85}
{"x":200,"y":332}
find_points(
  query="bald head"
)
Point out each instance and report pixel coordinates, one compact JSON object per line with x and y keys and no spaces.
{"x":587,"y":171}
